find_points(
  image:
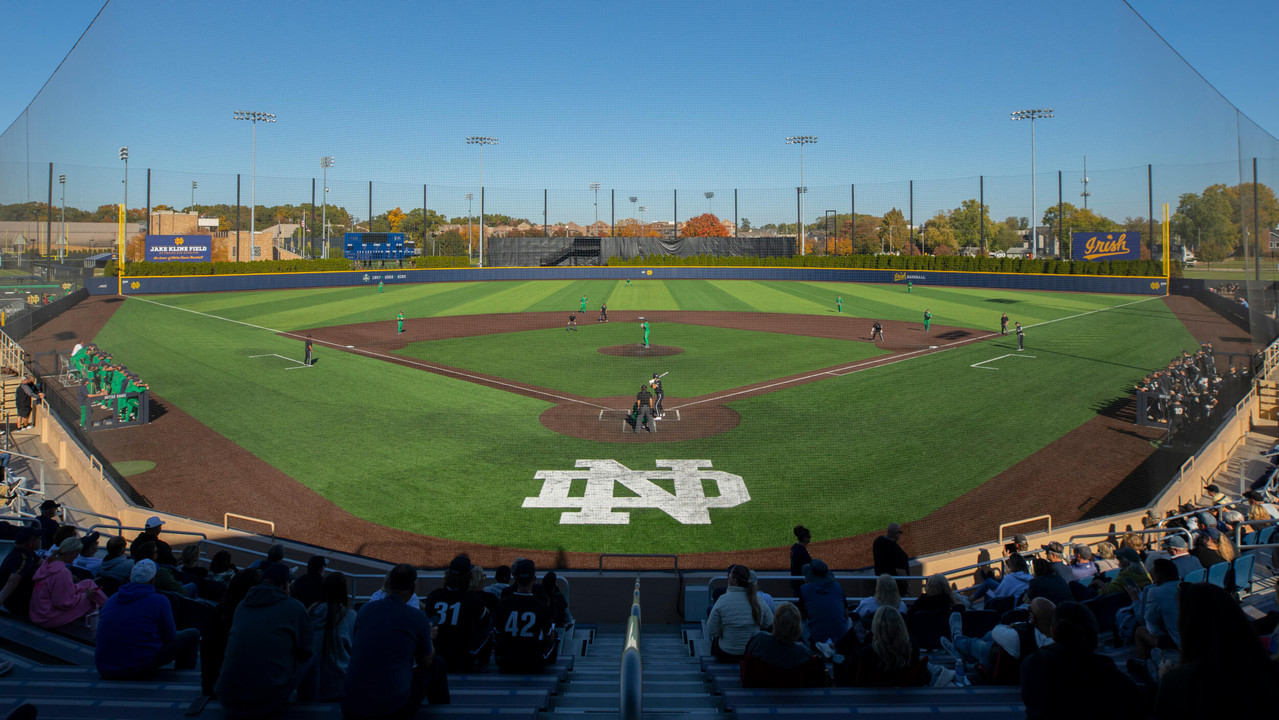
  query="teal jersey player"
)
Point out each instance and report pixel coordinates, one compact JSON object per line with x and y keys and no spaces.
{"x":646,"y":329}
{"x":583,"y":304}
{"x":839,"y":304}
{"x":928,"y":318}
{"x":400,"y":320}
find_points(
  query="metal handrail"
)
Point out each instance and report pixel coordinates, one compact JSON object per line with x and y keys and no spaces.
{"x":80,"y":511}
{"x":1192,"y":513}
{"x":631,"y":680}
{"x":674,"y":558}
{"x":20,"y":518}
{"x":1023,"y":521}
{"x":1239,"y":533}
{"x":228,"y":516}
{"x":1149,"y":531}
{"x":122,"y":528}
{"x":15,"y":453}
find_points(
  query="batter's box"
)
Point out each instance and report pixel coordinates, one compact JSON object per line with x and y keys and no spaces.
{"x":295,"y":364}
{"x":608,"y":415}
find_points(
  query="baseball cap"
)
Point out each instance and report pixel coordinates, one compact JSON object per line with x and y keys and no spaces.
{"x":1083,"y":551}
{"x":461,"y":565}
{"x":1128,"y":554}
{"x":817,"y":569}
{"x":277,"y":574}
{"x":49,"y":504}
{"x":1021,"y":540}
{"x":154,"y":522}
{"x":1054,"y":547}
{"x":524,"y":570}
{"x":1212,"y":532}
{"x":143,"y":571}
{"x":1176,"y":541}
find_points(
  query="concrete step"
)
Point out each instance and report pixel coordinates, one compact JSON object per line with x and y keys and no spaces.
{"x":606,"y":701}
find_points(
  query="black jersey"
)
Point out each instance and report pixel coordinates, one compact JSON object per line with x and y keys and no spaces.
{"x":525,"y":630}
{"x":464,"y":626}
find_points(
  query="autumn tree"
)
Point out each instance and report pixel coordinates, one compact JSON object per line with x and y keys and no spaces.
{"x":705,"y":225}
{"x":939,"y":236}
{"x":894,"y":232}
{"x":394,"y":218}
{"x":966,"y":223}
{"x":1204,"y":223}
{"x":745,"y":225}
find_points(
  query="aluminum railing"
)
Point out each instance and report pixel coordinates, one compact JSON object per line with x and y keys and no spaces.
{"x":80,"y":511}
{"x":1148,"y":531}
{"x":630,"y":691}
{"x":672,"y":558}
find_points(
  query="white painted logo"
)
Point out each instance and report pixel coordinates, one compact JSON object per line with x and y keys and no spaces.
{"x":598,"y":506}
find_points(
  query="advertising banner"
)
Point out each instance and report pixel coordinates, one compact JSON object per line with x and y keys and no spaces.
{"x":180,"y":248}
{"x":1099,"y":246}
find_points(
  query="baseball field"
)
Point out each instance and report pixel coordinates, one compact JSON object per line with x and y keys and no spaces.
{"x":488,"y":421}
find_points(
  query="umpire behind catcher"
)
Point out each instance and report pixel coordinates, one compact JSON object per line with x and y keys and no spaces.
{"x":644,"y":414}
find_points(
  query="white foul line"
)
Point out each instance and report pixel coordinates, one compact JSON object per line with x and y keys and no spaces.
{"x":1001,"y":357}
{"x":390,"y":358}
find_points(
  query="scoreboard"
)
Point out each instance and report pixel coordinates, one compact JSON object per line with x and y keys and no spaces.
{"x":374,"y":246}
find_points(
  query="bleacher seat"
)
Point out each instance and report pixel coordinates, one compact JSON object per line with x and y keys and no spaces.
{"x":928,"y":628}
{"x":1196,"y":576}
{"x":1242,"y":569}
{"x":1104,"y":608}
{"x":1217,"y":574}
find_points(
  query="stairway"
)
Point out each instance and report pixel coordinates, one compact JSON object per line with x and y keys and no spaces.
{"x":1268,"y":399}
{"x":674,"y":685}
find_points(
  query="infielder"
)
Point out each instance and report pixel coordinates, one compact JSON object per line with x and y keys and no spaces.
{"x":583,"y":310}
{"x":1021,"y":338}
{"x":928,"y":318}
{"x":400,"y":319}
{"x":839,"y":304}
{"x":876,"y":331}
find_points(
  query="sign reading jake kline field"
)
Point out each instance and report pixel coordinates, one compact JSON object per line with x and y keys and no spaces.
{"x":1105,"y":246}
{"x":179,"y":248}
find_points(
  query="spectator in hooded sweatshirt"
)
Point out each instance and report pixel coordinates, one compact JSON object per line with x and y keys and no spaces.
{"x":822,"y":600}
{"x":136,"y":633}
{"x":116,"y":565}
{"x":269,"y":651}
{"x":56,"y":598}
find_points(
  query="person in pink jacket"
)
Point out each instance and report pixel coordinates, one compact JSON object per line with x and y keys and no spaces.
{"x":57,"y":599}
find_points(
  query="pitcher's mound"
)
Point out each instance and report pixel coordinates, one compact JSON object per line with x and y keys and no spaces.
{"x":638,"y":350}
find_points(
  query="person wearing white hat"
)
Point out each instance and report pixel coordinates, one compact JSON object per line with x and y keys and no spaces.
{"x":136,"y":632}
{"x":151,"y":533}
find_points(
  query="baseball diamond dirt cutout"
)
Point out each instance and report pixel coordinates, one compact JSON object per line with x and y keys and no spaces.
{"x":603,"y":418}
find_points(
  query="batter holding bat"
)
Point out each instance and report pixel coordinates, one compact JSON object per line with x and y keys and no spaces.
{"x":656,"y":385}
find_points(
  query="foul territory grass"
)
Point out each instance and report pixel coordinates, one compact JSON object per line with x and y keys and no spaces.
{"x":445,"y":457}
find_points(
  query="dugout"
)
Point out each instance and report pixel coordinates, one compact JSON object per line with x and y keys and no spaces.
{"x":540,"y":251}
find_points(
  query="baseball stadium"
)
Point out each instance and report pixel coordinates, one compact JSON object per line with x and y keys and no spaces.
{"x":899,"y":418}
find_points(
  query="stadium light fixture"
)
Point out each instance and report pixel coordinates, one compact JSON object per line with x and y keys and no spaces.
{"x":801,"y":141}
{"x":709,"y":196}
{"x":326,"y":162}
{"x":481,"y":140}
{"x":595,"y":188}
{"x":124,"y":155}
{"x":255,"y":118}
{"x":194,"y":185}
{"x":1032,"y":115}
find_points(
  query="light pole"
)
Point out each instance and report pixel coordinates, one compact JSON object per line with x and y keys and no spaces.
{"x":481,"y":140}
{"x":62,"y":225}
{"x":595,"y":188}
{"x":124,"y":155}
{"x":709,"y":196}
{"x":643,"y":209}
{"x":255,"y":118}
{"x":1032,"y":115}
{"x":469,"y":197}
{"x":1085,"y":194}
{"x":326,"y":162}
{"x":633,"y":199}
{"x":801,"y":141}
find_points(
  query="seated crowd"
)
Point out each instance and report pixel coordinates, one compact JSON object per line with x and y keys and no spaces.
{"x":1035,"y":624}
{"x":262,"y":637}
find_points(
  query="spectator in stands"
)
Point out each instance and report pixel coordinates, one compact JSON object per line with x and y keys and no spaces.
{"x":526,"y":638}
{"x":559,"y":604}
{"x":1104,"y":558}
{"x":218,"y":629}
{"x":1206,"y":547}
{"x":1179,"y":554}
{"x":116,"y":565}
{"x":1134,"y":541}
{"x":1226,"y":547}
{"x":886,"y":595}
{"x":1047,"y":583}
{"x":938,"y":597}
{"x":63,"y":532}
{"x":1159,"y":609}
{"x":151,"y":533}
{"x":17,"y":571}
{"x":890,"y":558}
{"x":888,"y":660}
{"x":274,"y":554}
{"x":763,"y":596}
{"x":501,"y":581}
{"x":136,"y":633}
{"x":393,"y":665}
{"x":822,"y":598}
{"x":779,"y":659}
{"x":269,"y":650}
{"x":1017,"y":641}
{"x":1223,"y":670}
{"x":1012,"y":585}
{"x":1055,"y":554}
{"x":462,"y":621}
{"x":49,"y":524}
{"x":27,"y":397}
{"x":56,"y":598}
{"x":491,"y":600}
{"x":88,"y":560}
{"x":1131,"y":572}
{"x":1070,"y":663}
{"x":333,"y":622}
{"x":799,"y":556}
{"x":190,"y":570}
{"x":221,"y":569}
{"x":737,"y":615}
{"x":1082,"y":567}
{"x":538,"y":591}
{"x":308,"y":589}
{"x":165,"y":579}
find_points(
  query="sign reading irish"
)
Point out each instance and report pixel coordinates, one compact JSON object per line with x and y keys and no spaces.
{"x":1105,"y":246}
{"x":179,"y":248}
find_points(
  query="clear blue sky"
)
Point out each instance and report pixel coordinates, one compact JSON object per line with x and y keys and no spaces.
{"x":643,"y":98}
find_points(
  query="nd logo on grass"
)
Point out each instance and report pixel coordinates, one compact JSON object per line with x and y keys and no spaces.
{"x":597,"y":506}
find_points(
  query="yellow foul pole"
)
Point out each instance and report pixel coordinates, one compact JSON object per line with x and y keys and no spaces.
{"x":120,"y":264}
{"x":1167,"y":252}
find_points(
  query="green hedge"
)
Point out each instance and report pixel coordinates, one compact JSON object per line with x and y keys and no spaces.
{"x":1144,"y":268}
{"x":441,"y":261}
{"x":262,"y":267}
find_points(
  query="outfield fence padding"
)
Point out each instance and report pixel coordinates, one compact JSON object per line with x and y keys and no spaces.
{"x":1117,"y":285}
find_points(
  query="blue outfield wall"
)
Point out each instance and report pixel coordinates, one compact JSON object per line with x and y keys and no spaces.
{"x":1001,"y":281}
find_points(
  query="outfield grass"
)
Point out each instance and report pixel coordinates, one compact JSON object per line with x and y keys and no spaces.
{"x":448,"y":458}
